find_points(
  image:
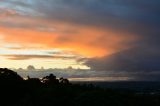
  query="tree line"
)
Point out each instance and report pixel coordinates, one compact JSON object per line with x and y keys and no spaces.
{"x":52,"y":91}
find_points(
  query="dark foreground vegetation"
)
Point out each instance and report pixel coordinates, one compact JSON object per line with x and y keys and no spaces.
{"x":50,"y":91}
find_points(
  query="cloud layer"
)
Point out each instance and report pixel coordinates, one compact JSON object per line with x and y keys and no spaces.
{"x":119,"y":36}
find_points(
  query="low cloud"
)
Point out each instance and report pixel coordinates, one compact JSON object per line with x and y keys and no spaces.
{"x":72,"y":74}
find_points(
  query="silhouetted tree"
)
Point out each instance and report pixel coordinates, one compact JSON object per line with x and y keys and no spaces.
{"x":63,"y":80}
{"x":34,"y":81}
{"x":51,"y":79}
{"x":9,"y":75}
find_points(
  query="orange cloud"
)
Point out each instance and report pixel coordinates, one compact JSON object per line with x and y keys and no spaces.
{"x":85,"y":40}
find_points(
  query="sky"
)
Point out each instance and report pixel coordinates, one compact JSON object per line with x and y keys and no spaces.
{"x":110,"y":37}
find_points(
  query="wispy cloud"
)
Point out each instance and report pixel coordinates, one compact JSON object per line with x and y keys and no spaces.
{"x":26,"y":57}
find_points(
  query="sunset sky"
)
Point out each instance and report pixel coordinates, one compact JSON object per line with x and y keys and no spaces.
{"x":116,"y":36}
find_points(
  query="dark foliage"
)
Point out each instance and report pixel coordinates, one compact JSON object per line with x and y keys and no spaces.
{"x":50,"y":91}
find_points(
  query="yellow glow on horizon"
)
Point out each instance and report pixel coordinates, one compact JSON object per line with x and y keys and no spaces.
{"x":40,"y":63}
{"x":100,"y":79}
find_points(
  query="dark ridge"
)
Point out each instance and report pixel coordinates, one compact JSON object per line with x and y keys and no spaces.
{"x":52,"y":91}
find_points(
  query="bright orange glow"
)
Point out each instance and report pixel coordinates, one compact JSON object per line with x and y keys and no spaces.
{"x":30,"y":33}
{"x":86,"y":41}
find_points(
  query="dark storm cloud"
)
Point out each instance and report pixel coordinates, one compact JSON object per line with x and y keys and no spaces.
{"x":139,"y":63}
{"x":138,"y":17}
{"x":108,"y":12}
{"x":143,"y":59}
